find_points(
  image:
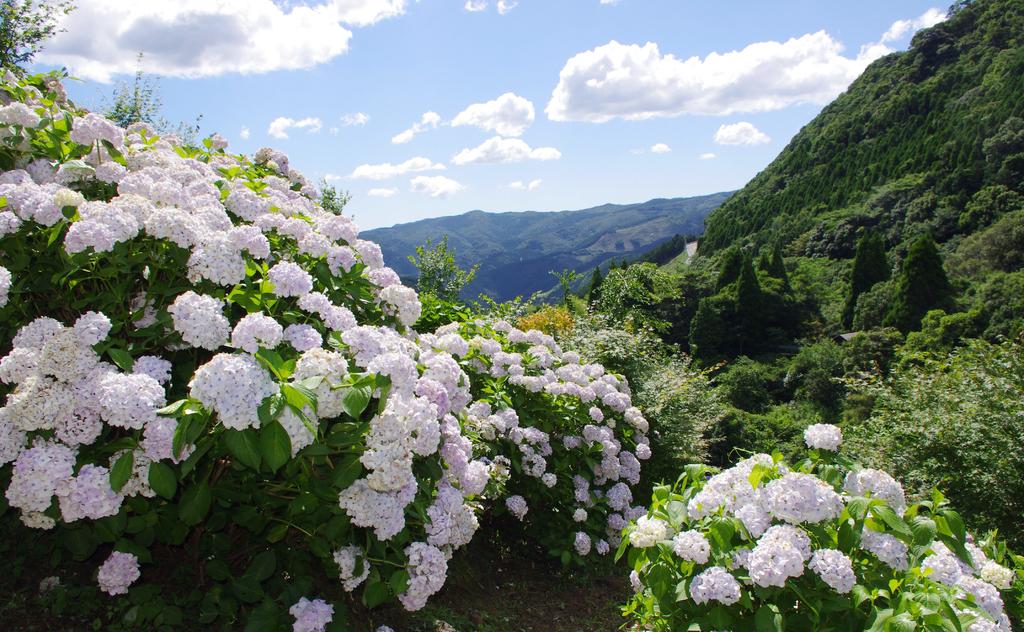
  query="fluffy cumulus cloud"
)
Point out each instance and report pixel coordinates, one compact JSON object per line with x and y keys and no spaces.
{"x":742,"y":133}
{"x":498,"y":150}
{"x":504,"y":6}
{"x":707,"y":155}
{"x":519,"y":185}
{"x":660,"y":148}
{"x":279,"y":127}
{"x":244,"y":134}
{"x":381,"y":193}
{"x":200,"y":38}
{"x":474,"y":6}
{"x":435,"y":186}
{"x":635,"y":82}
{"x":386,"y":170}
{"x":508,"y":115}
{"x":429,"y":120}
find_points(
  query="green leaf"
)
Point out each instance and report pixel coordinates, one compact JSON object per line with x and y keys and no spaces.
{"x":162,"y":479}
{"x":375,"y":594}
{"x":886,"y":514}
{"x":270,"y":408}
{"x":924,"y":530}
{"x":244,"y":446}
{"x":347,"y":471}
{"x":264,"y":618}
{"x":122,"y":470}
{"x":263,"y":566}
{"x":195,"y":504}
{"x":768,"y":619}
{"x":121,"y":358}
{"x":298,"y":397}
{"x":399,"y":581}
{"x":275,"y":446}
{"x":277,"y":533}
{"x":172,"y":409}
{"x":355,"y":400}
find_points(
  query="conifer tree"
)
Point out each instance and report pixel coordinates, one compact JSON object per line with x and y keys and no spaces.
{"x":921,"y":286}
{"x":869,"y":267}
{"x":748,"y":304}
{"x":594,"y":292}
{"x":777,"y":266}
{"x":729,"y":269}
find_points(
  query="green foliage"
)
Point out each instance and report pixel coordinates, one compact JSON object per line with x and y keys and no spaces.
{"x":140,"y":102}
{"x":872,"y":351}
{"x":947,"y":110}
{"x":988,"y":205}
{"x":565,"y":280}
{"x":1000,"y":298}
{"x":778,"y":429}
{"x":747,"y":384}
{"x":777,"y":266}
{"x":873,"y":305}
{"x":1000,"y":247}
{"x":594,"y":290}
{"x":814,"y":374}
{"x":637,"y":295}
{"x":438,"y":273}
{"x":24,"y":26}
{"x":921,"y":286}
{"x":729,"y":267}
{"x":333,"y":200}
{"x":869,"y":267}
{"x":952,"y":421}
{"x":940,"y":332}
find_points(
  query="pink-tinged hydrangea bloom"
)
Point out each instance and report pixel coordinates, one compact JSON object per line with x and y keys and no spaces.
{"x":290,"y":280}
{"x":233,"y":386}
{"x":311,"y":616}
{"x":255,"y":331}
{"x":199,"y":320}
{"x":118,"y":573}
{"x":692,"y":546}
{"x":715,"y":584}
{"x":428,"y":569}
{"x":834,"y":568}
{"x":876,"y":484}
{"x":349,"y":559}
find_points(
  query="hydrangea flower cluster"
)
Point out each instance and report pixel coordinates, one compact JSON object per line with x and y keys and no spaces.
{"x":740,"y":536}
{"x":209,"y":326}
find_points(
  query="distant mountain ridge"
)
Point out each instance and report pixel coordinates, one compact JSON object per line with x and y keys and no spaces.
{"x":518,"y":250}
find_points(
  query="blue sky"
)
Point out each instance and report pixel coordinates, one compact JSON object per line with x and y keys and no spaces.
{"x":606,"y":82}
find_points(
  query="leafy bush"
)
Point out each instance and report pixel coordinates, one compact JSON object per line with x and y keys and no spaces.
{"x":746,"y":384}
{"x":950,"y":422}
{"x":554,"y":320}
{"x":814,"y":374}
{"x":197,"y":358}
{"x":822,"y":545}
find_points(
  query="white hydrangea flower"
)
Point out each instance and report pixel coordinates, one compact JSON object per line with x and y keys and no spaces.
{"x":118,"y":573}
{"x":290,"y":280}
{"x":348,"y":559}
{"x":649,"y":531}
{"x":692,"y":546}
{"x":877,"y":484}
{"x":199,"y":320}
{"x":823,"y":437}
{"x":834,"y":568}
{"x":715,"y":584}
{"x":311,"y":616}
{"x":233,"y":386}
{"x":798,"y":497}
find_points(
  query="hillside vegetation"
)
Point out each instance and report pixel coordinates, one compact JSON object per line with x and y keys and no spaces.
{"x":517,"y":251}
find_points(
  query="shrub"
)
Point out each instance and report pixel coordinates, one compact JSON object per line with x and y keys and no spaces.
{"x":196,"y":357}
{"x":554,"y":320}
{"x":746,"y":384}
{"x":822,"y":545}
{"x":948,"y":422}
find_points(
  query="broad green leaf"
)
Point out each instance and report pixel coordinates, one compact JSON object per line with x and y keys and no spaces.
{"x":355,"y":400}
{"x":195,"y":504}
{"x":263,"y":566}
{"x":244,"y":446}
{"x":122,"y":470}
{"x":121,"y":358}
{"x":162,"y":479}
{"x":264,"y":618}
{"x":347,"y":471}
{"x":275,"y":446}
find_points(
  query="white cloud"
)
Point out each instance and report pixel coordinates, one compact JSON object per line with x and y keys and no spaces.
{"x":636,"y":82}
{"x":706,"y":156}
{"x":504,"y":6}
{"x":508,"y":115}
{"x":355,"y":120}
{"x":609,"y":1}
{"x":742,"y":133}
{"x":279,"y":127}
{"x":429,"y":120}
{"x":435,"y":186}
{"x":333,"y":177}
{"x":900,"y":28}
{"x":244,"y":133}
{"x":200,"y":38}
{"x":381,"y":193}
{"x":387,"y":170}
{"x":660,"y":148}
{"x":498,"y":149}
{"x":474,"y":6}
{"x":518,"y":185}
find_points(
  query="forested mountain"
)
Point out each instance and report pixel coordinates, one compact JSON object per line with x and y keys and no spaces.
{"x":927,"y":139}
{"x":517,"y":251}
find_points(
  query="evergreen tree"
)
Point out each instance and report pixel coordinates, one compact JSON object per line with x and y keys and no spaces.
{"x":729,"y":269}
{"x":869,"y":267}
{"x":764,"y":263}
{"x":921,"y":286}
{"x":710,"y":330}
{"x":777,"y":266}
{"x":594,"y":292}
{"x":748,"y":305}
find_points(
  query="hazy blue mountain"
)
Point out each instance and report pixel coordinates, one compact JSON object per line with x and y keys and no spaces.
{"x":517,"y":251}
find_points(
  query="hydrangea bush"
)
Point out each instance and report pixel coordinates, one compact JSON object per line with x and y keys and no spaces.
{"x":823,"y":545}
{"x":196,"y":357}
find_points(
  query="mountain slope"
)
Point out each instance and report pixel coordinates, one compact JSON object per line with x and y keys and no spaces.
{"x":517,"y":251}
{"x":906,"y":146}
